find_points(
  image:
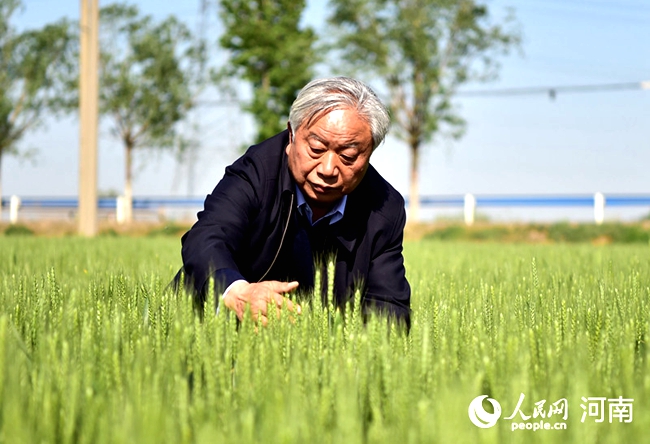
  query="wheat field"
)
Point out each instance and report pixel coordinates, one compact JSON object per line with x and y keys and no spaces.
{"x":94,"y":348}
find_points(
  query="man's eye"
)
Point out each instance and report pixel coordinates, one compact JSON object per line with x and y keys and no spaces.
{"x":316,"y":150}
{"x":348,"y":159}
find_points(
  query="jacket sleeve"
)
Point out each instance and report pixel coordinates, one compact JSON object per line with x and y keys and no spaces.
{"x":211,"y":247}
{"x":387,"y":290}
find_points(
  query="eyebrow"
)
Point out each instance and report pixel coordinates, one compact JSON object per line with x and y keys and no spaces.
{"x":325,"y":142}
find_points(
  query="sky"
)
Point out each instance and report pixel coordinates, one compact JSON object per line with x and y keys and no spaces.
{"x":577,"y":143}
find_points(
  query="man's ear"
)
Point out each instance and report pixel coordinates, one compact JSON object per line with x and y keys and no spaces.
{"x":286,"y":148}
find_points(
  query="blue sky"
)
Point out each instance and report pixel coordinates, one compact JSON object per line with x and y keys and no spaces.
{"x":577,"y":143}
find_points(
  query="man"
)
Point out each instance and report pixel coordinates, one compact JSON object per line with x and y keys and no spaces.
{"x":303,"y":195}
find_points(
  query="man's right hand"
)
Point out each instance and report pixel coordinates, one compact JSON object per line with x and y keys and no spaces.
{"x":259,"y":295}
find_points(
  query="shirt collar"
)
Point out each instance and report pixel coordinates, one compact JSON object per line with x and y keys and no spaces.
{"x":336,"y":212}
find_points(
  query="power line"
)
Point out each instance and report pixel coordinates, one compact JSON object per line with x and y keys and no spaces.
{"x":552,"y":91}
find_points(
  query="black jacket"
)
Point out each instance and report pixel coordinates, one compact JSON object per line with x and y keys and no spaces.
{"x":249,"y":229}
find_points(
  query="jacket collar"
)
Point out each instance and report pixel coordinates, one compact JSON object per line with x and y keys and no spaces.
{"x":287,"y":184}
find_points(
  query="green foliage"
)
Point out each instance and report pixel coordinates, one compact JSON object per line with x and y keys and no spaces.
{"x":452,"y":232}
{"x":461,"y":232}
{"x":36,"y":69}
{"x":110,"y":232}
{"x":94,"y":348}
{"x":148,"y":75}
{"x":421,"y":51}
{"x":557,"y":232}
{"x":272,"y":52}
{"x":565,"y":232}
{"x":18,"y":230}
{"x":171,"y":229}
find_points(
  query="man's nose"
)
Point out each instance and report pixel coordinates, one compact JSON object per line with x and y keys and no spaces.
{"x":328,"y":165}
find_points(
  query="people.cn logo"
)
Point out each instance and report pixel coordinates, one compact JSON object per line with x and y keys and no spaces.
{"x":478,"y":415}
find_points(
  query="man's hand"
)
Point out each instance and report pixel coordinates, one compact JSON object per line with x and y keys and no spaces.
{"x":259,"y":295}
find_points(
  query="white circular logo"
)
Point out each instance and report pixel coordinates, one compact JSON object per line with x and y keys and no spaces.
{"x":478,"y":415}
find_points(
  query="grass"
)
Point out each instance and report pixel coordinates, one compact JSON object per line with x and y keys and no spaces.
{"x":560,"y":232}
{"x":93,"y":348}
{"x":447,"y":230}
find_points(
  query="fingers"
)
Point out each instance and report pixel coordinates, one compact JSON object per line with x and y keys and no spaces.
{"x":258,"y":296}
{"x":260,"y":308}
{"x":281,"y":301}
{"x":274,"y":295}
{"x":280,"y":287}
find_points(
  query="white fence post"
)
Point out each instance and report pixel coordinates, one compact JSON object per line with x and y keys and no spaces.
{"x":14,"y":206}
{"x":470,"y":209}
{"x":599,"y":208}
{"x":120,"y":215}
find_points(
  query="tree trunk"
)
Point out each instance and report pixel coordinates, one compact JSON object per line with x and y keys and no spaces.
{"x":128,"y":185}
{"x":414,"y":190}
{"x":266,"y":82}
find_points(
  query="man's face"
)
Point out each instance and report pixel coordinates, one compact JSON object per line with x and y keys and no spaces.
{"x":329,"y":159}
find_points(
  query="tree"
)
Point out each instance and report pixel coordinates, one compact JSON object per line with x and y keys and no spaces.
{"x":422,"y":50}
{"x":36,"y":66}
{"x":148,"y":81}
{"x":271,"y":52}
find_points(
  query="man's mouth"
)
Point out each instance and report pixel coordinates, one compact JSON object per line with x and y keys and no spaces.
{"x":322,"y":189}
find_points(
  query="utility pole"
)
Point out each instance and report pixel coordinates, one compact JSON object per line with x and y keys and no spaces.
{"x":88,"y":119}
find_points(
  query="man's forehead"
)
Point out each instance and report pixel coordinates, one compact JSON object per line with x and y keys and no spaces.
{"x":320,"y":115}
{"x":317,"y":127}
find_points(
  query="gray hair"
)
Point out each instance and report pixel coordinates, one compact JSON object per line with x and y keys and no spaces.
{"x":321,"y":96}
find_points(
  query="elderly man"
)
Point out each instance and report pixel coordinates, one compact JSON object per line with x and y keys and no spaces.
{"x":302,"y":195}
